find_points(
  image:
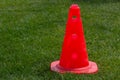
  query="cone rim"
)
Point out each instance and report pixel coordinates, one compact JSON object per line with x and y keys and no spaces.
{"x":91,"y":68}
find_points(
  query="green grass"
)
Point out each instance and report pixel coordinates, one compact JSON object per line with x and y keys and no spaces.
{"x":32,"y":31}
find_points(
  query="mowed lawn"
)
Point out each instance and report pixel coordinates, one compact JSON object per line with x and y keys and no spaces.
{"x":32,"y":31}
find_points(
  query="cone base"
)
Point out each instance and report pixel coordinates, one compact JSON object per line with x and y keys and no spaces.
{"x":91,"y":68}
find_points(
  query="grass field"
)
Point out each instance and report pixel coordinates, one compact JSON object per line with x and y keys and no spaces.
{"x":32,"y":31}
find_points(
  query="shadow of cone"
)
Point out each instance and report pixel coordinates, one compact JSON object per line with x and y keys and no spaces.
{"x":74,"y":58}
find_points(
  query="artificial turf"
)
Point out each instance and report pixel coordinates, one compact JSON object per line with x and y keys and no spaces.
{"x":32,"y":31}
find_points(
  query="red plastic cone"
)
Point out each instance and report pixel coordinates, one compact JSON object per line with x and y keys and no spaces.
{"x":74,"y":56}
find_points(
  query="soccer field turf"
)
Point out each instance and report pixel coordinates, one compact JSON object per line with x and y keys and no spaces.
{"x":32,"y":31}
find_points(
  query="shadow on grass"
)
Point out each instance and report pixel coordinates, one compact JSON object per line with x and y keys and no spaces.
{"x":48,"y":74}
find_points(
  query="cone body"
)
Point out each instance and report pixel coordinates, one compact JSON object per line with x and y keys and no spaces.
{"x":74,"y":56}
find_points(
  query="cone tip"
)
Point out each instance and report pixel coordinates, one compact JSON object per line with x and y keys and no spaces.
{"x":74,"y":6}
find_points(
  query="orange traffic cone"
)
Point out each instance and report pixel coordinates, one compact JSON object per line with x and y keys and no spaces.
{"x":74,"y":58}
